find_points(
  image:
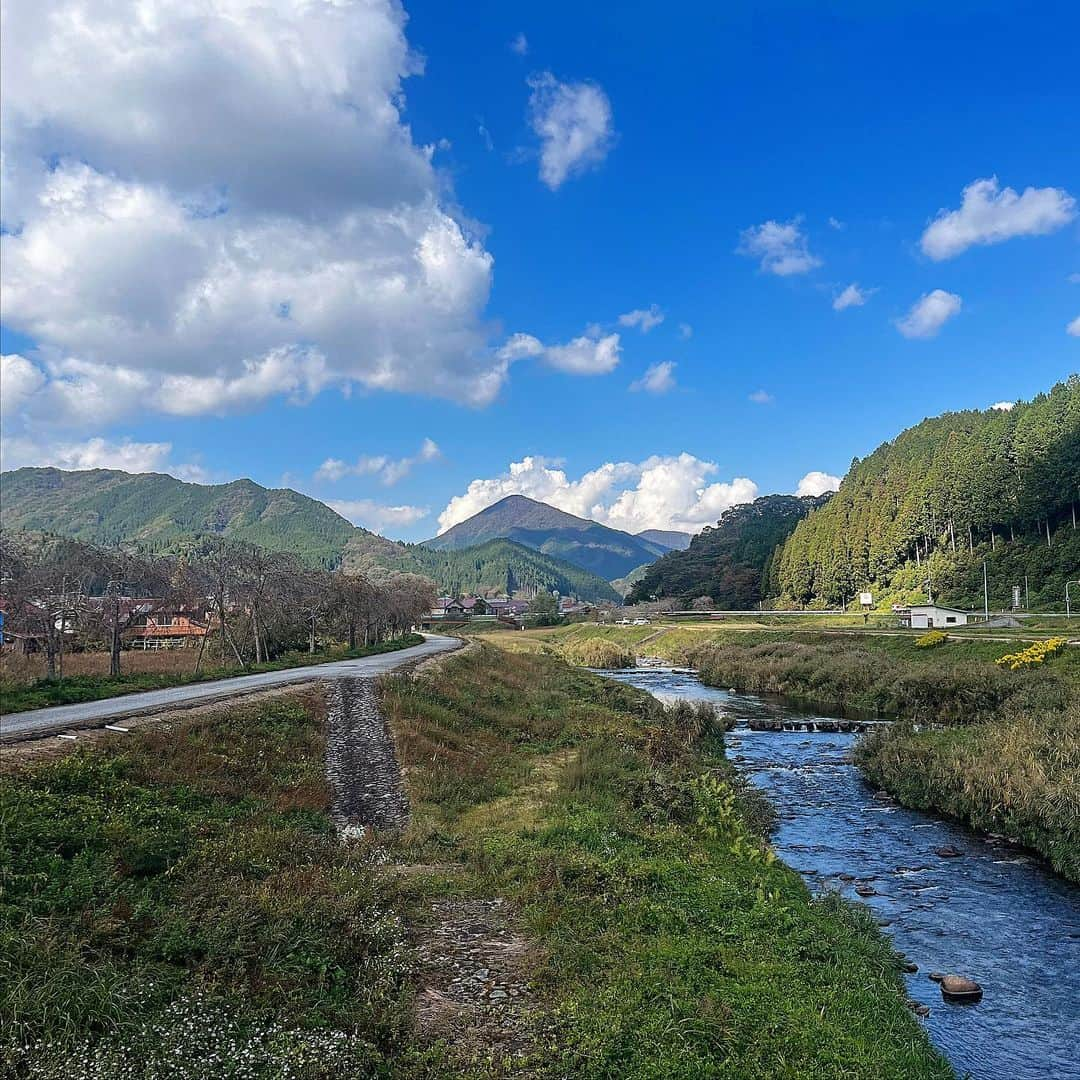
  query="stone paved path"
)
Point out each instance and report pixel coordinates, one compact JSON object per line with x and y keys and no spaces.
{"x":361,"y":767}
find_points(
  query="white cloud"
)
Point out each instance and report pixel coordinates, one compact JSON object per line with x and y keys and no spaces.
{"x":658,"y":378}
{"x":781,"y":246}
{"x":761,"y":397}
{"x":376,"y":516}
{"x":192,"y":243}
{"x":593,"y":353}
{"x":574,"y":124}
{"x":816,"y":482}
{"x":585,"y":355}
{"x":685,"y":330}
{"x":643,"y":318}
{"x":929,"y":314}
{"x":519,"y":44}
{"x":19,"y":381}
{"x":95,"y":453}
{"x":836,"y":223}
{"x":1004,"y":406}
{"x":1074,"y":279}
{"x":389,"y":470}
{"x":988,"y":215}
{"x":852,"y":296}
{"x":1074,"y":327}
{"x":658,"y":493}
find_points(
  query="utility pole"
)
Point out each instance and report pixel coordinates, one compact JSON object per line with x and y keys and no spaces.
{"x":1068,"y":605}
{"x":986,"y":594}
{"x":1027,"y":595}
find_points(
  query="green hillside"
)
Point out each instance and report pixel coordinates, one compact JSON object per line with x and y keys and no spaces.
{"x":159,"y":512}
{"x":728,"y":563}
{"x":608,"y":553}
{"x":943,"y":496}
{"x":492,"y":568}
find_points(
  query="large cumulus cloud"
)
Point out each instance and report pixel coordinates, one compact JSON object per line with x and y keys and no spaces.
{"x":207,"y":204}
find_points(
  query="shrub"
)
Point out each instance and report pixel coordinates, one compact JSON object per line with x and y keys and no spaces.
{"x":1033,"y":655}
{"x":932,"y":639}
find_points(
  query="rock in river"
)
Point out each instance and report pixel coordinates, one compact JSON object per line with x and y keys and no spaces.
{"x":948,"y":852}
{"x":960,"y":988}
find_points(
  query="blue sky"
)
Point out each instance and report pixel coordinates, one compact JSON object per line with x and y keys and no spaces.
{"x":262,"y":270}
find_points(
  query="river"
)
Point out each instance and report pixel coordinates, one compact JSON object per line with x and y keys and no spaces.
{"x":994,"y":913}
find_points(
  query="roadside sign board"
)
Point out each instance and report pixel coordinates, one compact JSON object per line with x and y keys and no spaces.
{"x":866,"y":599}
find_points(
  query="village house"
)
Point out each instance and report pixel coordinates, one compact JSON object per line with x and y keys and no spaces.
{"x":934,"y":616}
{"x":168,"y":630}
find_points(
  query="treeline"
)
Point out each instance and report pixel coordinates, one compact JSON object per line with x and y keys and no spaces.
{"x":924,"y":510}
{"x":727,"y":566}
{"x":497,"y":567}
{"x":61,"y":594}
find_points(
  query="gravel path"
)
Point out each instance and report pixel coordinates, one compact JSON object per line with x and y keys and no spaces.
{"x":29,"y":725}
{"x":361,"y":768}
{"x":474,"y":987}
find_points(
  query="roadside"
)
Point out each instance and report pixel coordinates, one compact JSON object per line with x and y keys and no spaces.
{"x":25,"y":696}
{"x":69,"y":718}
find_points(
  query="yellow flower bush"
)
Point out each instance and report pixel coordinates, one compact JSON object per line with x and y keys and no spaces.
{"x":932,"y":638}
{"x":1033,"y":655}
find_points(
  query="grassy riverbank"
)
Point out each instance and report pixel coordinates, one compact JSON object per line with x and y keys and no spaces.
{"x":997,"y":748}
{"x":665,"y":939}
{"x":1003,"y":751}
{"x":174,"y":904}
{"x":18,"y":695}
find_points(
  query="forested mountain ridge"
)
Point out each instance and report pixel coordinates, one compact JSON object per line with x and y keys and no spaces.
{"x":159,"y":514}
{"x":608,"y":553}
{"x":925,"y":509}
{"x":728,"y":563}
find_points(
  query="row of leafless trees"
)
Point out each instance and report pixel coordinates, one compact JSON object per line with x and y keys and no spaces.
{"x":59,"y":595}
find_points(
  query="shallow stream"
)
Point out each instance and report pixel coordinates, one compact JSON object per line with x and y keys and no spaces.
{"x":994,"y":912}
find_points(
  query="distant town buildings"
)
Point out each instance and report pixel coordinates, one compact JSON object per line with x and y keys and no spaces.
{"x":498,"y":607}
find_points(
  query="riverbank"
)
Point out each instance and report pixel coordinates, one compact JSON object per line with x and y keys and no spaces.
{"x":583,"y":890}
{"x":994,"y":747}
{"x":25,"y":695}
{"x":660,"y":936}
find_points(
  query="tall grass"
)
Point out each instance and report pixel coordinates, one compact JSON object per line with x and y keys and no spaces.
{"x":667,"y":941}
{"x":1017,"y":774}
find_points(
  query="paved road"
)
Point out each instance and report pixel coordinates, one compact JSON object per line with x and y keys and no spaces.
{"x":98,"y":713}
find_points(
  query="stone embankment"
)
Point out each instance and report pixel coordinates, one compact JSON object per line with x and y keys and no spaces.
{"x":361,"y":768}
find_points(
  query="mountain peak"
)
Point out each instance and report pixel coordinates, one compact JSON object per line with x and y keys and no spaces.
{"x":608,"y":552}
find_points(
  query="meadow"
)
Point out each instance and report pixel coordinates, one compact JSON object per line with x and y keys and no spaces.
{"x":178,"y":905}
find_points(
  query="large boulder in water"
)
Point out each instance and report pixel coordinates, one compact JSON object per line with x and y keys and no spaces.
{"x":960,"y":988}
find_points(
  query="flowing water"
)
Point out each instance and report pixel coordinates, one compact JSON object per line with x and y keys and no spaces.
{"x":994,"y":913}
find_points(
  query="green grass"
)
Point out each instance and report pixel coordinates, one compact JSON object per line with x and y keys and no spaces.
{"x":178,"y":906}
{"x":23,"y":697}
{"x":669,"y":941}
